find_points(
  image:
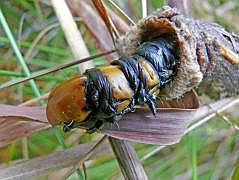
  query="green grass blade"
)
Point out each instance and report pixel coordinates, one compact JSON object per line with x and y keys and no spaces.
{"x":43,"y":48}
{"x":17,"y":52}
{"x":236,"y":172}
{"x":194,"y":155}
{"x":7,"y":73}
{"x":80,"y":174}
{"x":25,"y":68}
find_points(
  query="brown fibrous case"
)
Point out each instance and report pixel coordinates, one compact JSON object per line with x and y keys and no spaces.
{"x":205,"y":51}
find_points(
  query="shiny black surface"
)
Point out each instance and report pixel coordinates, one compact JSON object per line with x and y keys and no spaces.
{"x":158,"y":54}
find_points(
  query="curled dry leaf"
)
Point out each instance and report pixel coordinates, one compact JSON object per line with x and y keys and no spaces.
{"x":17,"y":122}
{"x":165,"y":128}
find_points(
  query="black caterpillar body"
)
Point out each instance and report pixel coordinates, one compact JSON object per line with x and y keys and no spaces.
{"x":157,"y":55}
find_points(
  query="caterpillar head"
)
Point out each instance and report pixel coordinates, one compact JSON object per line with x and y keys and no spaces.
{"x":67,"y":103}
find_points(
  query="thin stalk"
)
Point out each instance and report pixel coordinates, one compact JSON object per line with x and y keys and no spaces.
{"x":127,"y":158}
{"x":19,"y":33}
{"x":37,"y":39}
{"x":80,"y":174}
{"x":21,"y":75}
{"x":194,"y":155}
{"x":55,"y":69}
{"x":43,"y":48}
{"x":144,"y":8}
{"x":18,"y":53}
{"x":10,"y":73}
{"x":88,"y":155}
{"x":121,"y":11}
{"x":59,"y":138}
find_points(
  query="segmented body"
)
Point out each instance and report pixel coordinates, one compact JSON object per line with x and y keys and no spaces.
{"x":111,"y":91}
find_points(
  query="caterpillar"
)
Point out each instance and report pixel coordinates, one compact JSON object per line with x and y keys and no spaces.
{"x":105,"y":94}
{"x":166,"y":54}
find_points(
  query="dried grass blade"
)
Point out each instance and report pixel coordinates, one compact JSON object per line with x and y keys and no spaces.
{"x":55,"y":69}
{"x":46,"y":164}
{"x":17,"y":122}
{"x":144,"y":8}
{"x":95,"y":25}
{"x":106,"y":18}
{"x":121,"y":11}
{"x":73,"y":36}
{"x":36,"y":114}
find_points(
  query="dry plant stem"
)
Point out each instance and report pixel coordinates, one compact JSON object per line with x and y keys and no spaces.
{"x":181,"y":5}
{"x":42,"y":165}
{"x":94,"y":24}
{"x":88,"y":154}
{"x":121,"y":11}
{"x":107,"y":20}
{"x":201,"y":121}
{"x":120,"y":24}
{"x":55,"y":69}
{"x":60,"y":174}
{"x":91,"y":152}
{"x":144,"y":8}
{"x":226,"y":119}
{"x":35,"y":100}
{"x":27,"y":55}
{"x":129,"y":163}
{"x":73,"y":36}
{"x":84,"y":170}
{"x":25,"y":151}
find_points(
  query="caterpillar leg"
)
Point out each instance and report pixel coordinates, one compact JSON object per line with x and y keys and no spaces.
{"x":68,"y":125}
{"x":98,"y":125}
{"x":152,"y":105}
